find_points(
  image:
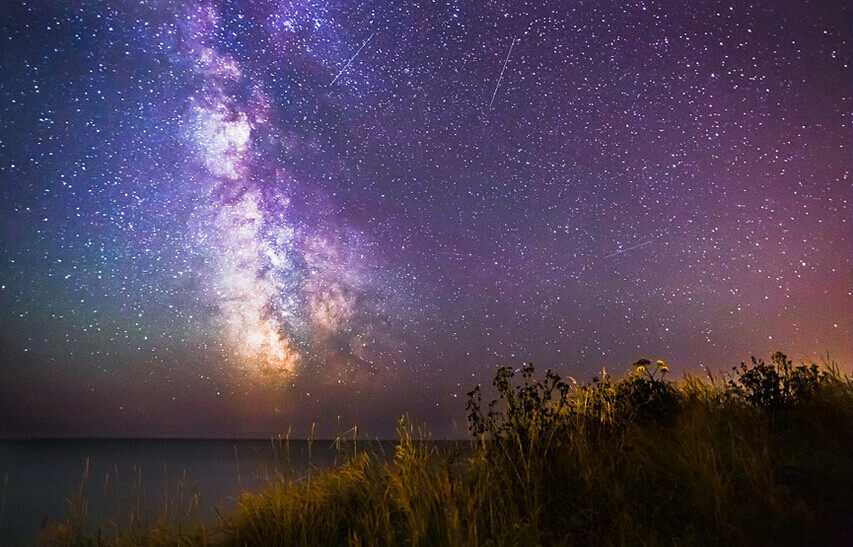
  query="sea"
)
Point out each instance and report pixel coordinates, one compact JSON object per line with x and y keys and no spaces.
{"x":113,"y":481}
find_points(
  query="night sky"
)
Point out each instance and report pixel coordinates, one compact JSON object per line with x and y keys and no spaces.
{"x":228,"y":218}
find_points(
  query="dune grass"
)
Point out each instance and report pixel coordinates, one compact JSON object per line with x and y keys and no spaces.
{"x":759,"y":457}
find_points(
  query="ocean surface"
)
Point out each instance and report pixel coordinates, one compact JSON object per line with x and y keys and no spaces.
{"x":39,"y":478}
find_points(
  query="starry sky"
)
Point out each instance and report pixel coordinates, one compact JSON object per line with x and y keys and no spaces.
{"x":224,"y":219}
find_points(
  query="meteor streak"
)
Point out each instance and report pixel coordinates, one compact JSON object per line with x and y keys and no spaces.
{"x":620,"y":251}
{"x":501,"y":77}
{"x":351,"y":59}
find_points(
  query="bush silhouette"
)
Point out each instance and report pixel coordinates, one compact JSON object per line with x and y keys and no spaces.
{"x":778,"y":384}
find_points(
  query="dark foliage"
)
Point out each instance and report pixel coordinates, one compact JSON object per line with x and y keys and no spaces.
{"x":778,"y":384}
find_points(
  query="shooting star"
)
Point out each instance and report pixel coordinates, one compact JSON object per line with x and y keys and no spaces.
{"x":351,"y":59}
{"x":637,"y":246}
{"x":456,"y":254}
{"x":501,"y":77}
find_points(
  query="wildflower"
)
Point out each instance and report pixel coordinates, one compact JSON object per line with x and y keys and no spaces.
{"x":641,"y":368}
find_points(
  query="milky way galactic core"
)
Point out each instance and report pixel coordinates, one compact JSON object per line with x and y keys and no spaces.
{"x":227,"y":218}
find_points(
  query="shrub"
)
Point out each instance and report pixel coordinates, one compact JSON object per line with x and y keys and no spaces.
{"x":778,"y":384}
{"x":527,"y":408}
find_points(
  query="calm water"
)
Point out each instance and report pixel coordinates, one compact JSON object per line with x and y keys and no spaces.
{"x":38,"y":477}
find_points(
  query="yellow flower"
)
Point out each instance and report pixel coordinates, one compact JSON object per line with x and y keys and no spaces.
{"x":641,"y":368}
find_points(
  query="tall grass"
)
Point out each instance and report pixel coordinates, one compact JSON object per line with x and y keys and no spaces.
{"x":175,"y":521}
{"x":759,"y":457}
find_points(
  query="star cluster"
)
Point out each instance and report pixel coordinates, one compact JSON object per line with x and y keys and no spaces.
{"x":223,"y":218}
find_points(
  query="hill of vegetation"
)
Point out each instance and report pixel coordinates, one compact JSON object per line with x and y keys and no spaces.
{"x":761,"y":456}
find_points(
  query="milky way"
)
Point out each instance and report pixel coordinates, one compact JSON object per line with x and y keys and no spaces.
{"x":226,"y":218}
{"x":272,"y":283}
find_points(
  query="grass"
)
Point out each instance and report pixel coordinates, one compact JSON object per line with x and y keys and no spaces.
{"x":759,"y":457}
